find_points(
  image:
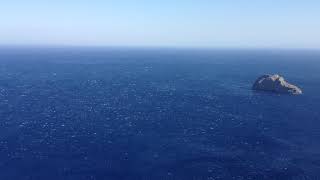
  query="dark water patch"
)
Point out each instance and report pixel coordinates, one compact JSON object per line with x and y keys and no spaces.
{"x":156,"y":115}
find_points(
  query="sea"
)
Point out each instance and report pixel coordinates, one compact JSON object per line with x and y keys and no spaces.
{"x":121,"y":113}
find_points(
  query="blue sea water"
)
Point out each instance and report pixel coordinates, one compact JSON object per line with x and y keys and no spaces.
{"x":156,"y":114}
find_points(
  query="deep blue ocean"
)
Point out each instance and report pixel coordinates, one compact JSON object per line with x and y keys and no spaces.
{"x":156,"y":114}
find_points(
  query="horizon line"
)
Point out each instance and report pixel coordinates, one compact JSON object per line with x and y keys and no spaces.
{"x":187,"y":47}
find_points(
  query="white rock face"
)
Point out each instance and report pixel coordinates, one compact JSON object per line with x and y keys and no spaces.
{"x":275,"y":83}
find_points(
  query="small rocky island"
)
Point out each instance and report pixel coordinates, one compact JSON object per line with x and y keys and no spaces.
{"x":275,"y":83}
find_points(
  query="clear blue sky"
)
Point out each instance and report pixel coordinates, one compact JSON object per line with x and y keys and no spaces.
{"x":191,"y":23}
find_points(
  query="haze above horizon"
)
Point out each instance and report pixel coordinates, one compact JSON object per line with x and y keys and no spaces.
{"x":188,"y":23}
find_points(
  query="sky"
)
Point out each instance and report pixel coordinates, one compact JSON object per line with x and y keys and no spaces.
{"x":163,"y":23}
